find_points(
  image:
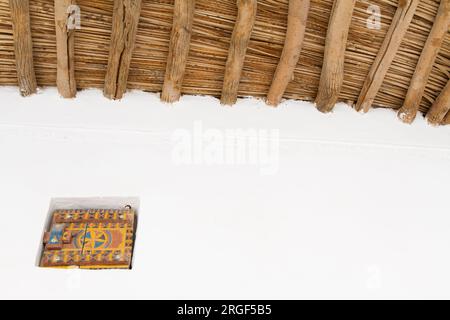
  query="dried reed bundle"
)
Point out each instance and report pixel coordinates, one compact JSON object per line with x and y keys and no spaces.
{"x":213,"y":25}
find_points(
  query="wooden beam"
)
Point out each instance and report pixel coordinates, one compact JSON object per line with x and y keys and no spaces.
{"x":440,"y":108}
{"x":332,"y":76}
{"x":65,"y":50}
{"x":178,"y":50}
{"x":23,"y":46}
{"x":446,"y":120}
{"x":238,"y":48}
{"x":408,"y":112}
{"x":399,"y":26}
{"x":297,"y":18}
{"x":124,"y":29}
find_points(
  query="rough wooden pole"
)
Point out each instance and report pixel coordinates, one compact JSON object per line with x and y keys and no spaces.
{"x":408,"y":112}
{"x":23,"y":46}
{"x":238,"y":48}
{"x":440,"y":108}
{"x":446,"y":120}
{"x":65,"y":50}
{"x":387,"y":53}
{"x":124,"y":29}
{"x":332,"y":75}
{"x":178,"y":50}
{"x":298,"y":15}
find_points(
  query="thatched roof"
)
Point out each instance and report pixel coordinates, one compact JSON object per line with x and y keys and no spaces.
{"x":210,"y":43}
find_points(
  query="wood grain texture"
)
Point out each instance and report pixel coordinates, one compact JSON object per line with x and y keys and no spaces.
{"x":124,"y":29}
{"x":332,"y":76}
{"x":408,"y":111}
{"x":297,"y":18}
{"x":440,"y":107}
{"x":238,"y":49}
{"x":446,"y":120}
{"x":386,"y":54}
{"x":178,"y":49}
{"x":23,"y":46}
{"x":65,"y":50}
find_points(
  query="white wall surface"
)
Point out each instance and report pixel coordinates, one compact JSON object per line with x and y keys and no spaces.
{"x":358,"y":206}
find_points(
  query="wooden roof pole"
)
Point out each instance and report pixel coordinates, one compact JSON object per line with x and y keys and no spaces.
{"x":446,"y":120}
{"x":178,"y":49}
{"x":124,"y":29}
{"x":408,"y":112}
{"x":65,"y":50}
{"x":238,"y":48}
{"x":298,"y":15}
{"x":440,"y":108}
{"x":23,"y":46}
{"x":332,"y":75}
{"x":399,"y":26}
